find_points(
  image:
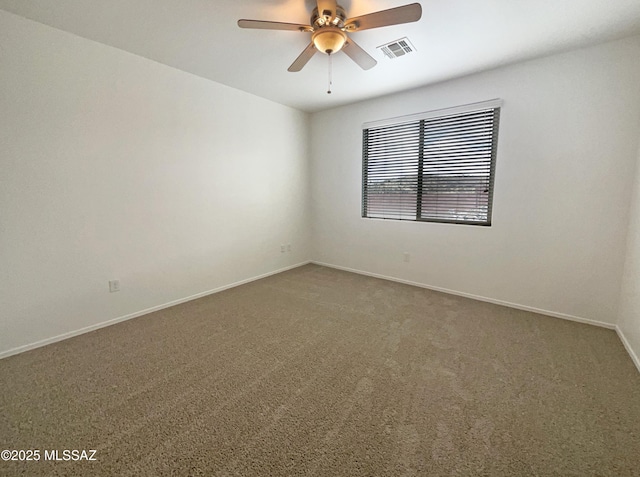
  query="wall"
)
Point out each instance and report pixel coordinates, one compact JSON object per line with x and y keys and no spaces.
{"x":117,"y":167}
{"x":567,"y":148}
{"x":629,"y":322}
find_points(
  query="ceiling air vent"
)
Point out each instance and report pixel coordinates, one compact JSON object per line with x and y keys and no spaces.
{"x":397,"y":48}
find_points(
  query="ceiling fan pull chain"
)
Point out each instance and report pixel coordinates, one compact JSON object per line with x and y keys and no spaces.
{"x":330,"y":79}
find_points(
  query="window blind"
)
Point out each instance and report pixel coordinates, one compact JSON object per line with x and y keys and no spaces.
{"x":435,"y":169}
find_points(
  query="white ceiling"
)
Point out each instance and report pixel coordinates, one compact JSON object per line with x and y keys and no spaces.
{"x":453,"y":38}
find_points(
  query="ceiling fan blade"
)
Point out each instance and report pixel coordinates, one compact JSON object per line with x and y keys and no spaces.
{"x":363,"y":59}
{"x":303,"y":59}
{"x":393,"y":16}
{"x":327,"y":6}
{"x":265,"y":25}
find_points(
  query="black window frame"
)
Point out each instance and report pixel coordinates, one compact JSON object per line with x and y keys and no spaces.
{"x":401,"y":146}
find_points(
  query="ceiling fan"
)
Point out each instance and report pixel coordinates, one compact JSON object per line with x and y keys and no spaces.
{"x":330,"y":25}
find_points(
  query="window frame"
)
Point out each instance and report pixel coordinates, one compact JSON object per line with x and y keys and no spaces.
{"x":419,"y":120}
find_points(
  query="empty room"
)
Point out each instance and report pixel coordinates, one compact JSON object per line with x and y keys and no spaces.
{"x":309,"y":237}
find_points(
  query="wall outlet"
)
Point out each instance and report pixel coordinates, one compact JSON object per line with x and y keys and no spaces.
{"x":282,"y":249}
{"x":114,"y":286}
{"x":407,"y":257}
{"x":288,"y":247}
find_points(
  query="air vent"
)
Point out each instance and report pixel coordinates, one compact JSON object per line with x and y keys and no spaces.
{"x":397,"y":48}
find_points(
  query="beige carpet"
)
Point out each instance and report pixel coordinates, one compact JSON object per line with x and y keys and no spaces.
{"x":320,"y":372}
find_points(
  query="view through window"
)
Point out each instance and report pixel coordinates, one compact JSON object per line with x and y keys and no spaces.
{"x":435,"y":169}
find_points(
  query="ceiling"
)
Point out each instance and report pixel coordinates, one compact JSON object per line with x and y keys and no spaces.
{"x":453,"y":38}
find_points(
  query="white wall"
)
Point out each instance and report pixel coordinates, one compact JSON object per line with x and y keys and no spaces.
{"x":567,"y":148}
{"x":114,"y":166}
{"x":629,"y":322}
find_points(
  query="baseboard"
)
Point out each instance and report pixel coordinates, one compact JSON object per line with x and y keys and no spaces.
{"x":517,"y":306}
{"x":627,"y":346}
{"x":87,"y":329}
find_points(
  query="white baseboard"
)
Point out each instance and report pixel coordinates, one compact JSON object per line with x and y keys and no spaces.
{"x":627,"y":346}
{"x":555,"y":314}
{"x":87,"y":329}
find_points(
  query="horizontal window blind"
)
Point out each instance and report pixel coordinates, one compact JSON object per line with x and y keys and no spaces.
{"x":436,"y":169}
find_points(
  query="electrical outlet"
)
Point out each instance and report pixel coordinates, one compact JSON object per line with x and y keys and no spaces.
{"x":407,"y":257}
{"x":114,"y":286}
{"x":282,"y":249}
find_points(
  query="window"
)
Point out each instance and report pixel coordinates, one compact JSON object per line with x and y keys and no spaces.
{"x":434,"y":167}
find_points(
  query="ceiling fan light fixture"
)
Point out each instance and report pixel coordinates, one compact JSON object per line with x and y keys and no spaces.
{"x":329,"y":40}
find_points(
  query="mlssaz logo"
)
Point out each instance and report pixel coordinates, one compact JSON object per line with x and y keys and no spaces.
{"x":70,"y":455}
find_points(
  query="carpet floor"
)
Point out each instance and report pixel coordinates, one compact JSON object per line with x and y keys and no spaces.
{"x":320,"y":372}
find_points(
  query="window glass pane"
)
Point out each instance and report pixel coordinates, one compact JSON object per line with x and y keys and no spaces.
{"x":436,"y":169}
{"x":457,"y":167}
{"x":392,"y":172}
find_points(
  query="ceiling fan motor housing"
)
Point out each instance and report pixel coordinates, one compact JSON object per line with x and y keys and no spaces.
{"x":319,"y":20}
